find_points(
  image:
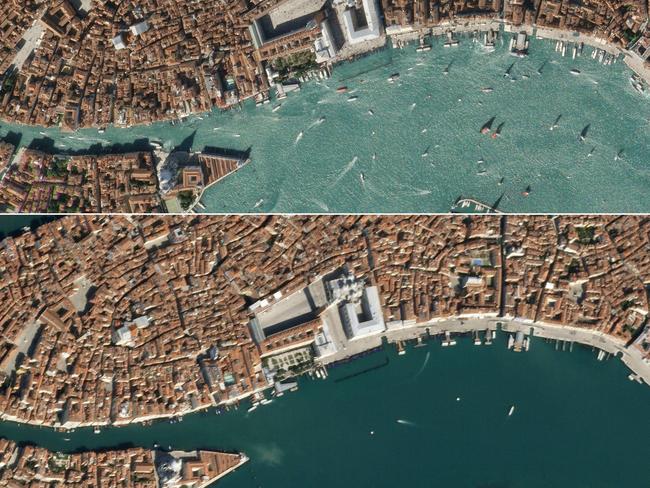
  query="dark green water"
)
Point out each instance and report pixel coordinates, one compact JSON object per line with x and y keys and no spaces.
{"x":578,"y":423}
{"x":13,"y":224}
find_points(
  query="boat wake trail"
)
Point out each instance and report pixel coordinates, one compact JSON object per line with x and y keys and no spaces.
{"x":416,"y":192}
{"x":321,"y":205}
{"x":406,"y":422}
{"x":345,"y":170}
{"x":316,"y":122}
{"x":270,"y":454}
{"x":424,"y":365}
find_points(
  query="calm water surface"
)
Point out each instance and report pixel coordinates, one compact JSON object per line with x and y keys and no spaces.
{"x":578,"y":422}
{"x":425,"y":137}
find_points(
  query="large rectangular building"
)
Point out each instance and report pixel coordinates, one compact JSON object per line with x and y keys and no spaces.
{"x":363,"y":317}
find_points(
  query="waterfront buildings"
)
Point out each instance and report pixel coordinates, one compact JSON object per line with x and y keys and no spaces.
{"x":25,"y":465}
{"x":116,"y":319}
{"x":361,"y":21}
{"x":139,"y":62}
{"x":6,"y":154}
{"x":40,"y":182}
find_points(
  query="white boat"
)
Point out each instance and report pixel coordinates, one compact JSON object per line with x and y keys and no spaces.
{"x":277,"y":107}
{"x":487,"y":89}
{"x":353,"y":98}
{"x":512,"y":410}
{"x":637,"y":84}
{"x":259,"y":202}
{"x":362,"y":178}
{"x":254,"y":407}
{"x":575,"y":71}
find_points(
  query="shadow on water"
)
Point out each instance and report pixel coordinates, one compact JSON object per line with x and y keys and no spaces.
{"x":13,"y":138}
{"x":370,"y":69}
{"x":117,"y":447}
{"x":16,"y":223}
{"x":47,"y":144}
{"x":496,"y":204}
{"x":186,"y":144}
{"x":245,"y":154}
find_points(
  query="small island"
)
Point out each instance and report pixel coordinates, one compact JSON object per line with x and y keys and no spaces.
{"x":145,"y":468}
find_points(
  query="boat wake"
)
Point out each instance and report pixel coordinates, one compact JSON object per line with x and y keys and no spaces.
{"x":345,"y":170}
{"x":406,"y":422}
{"x":270,"y":454}
{"x":316,"y":122}
{"x":424,"y":365}
{"x":298,"y":137}
{"x":320,"y":205}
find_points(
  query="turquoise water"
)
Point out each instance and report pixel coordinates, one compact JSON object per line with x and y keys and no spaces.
{"x":578,"y":422}
{"x":321,"y":171}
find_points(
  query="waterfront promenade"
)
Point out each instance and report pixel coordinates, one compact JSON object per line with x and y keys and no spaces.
{"x":630,"y":356}
{"x":412,"y":331}
{"x":482,"y":24}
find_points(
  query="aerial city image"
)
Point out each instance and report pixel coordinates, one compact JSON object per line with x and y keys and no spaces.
{"x":324,"y":106}
{"x":324,"y":243}
{"x":325,"y":350}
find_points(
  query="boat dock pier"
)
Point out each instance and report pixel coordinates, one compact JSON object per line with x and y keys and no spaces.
{"x":451,"y":40}
{"x":519,"y":45}
{"x":519,"y":341}
{"x":423,"y":46}
{"x":489,"y":39}
{"x":470,"y":205}
{"x":477,"y":339}
{"x":448,"y":340}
